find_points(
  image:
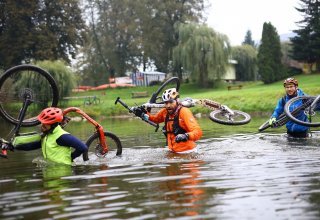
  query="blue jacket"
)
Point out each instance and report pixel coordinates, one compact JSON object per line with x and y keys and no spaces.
{"x":291,"y":126}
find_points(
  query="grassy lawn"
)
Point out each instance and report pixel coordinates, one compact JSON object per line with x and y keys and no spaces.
{"x":254,"y":97}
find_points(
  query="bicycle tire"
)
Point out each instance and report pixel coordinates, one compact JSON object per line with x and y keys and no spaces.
{"x":172,"y":80}
{"x":314,"y":118}
{"x":93,"y":142}
{"x":240,"y":117}
{"x":24,"y":79}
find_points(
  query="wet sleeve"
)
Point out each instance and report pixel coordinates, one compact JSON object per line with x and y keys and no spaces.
{"x":191,"y":125}
{"x":74,"y":142}
{"x":159,"y":117}
{"x":29,"y":146}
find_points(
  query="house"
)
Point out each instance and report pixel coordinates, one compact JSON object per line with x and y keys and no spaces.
{"x":230,"y":74}
{"x":147,"y":78}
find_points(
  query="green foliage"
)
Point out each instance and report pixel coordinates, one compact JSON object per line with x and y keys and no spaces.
{"x":253,"y":97}
{"x":202,"y":52}
{"x":269,"y":55}
{"x":126,"y":34}
{"x":246,"y":56}
{"x":248,"y":39}
{"x":306,"y":42}
{"x":39,"y":30}
{"x":63,"y":75}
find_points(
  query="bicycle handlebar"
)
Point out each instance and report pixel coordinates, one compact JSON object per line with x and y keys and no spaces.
{"x":130,"y":110}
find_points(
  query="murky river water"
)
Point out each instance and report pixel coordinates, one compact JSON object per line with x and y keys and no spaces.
{"x":236,"y":174}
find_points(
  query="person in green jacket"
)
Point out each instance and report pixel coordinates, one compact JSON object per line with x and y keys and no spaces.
{"x":54,"y":141}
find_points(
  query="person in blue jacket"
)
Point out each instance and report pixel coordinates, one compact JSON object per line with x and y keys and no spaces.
{"x":292,"y":90}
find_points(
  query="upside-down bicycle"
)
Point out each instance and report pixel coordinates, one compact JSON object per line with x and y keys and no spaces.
{"x":221,"y":114}
{"x":27,"y":89}
{"x":308,"y":106}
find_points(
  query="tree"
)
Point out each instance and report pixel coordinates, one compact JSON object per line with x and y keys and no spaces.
{"x":202,"y":52}
{"x":246,"y":56}
{"x":306,"y":42}
{"x":127,"y":34}
{"x":248,"y":39}
{"x":269,"y":55}
{"x":160,"y":19}
{"x":16,"y":28}
{"x":39,"y":30}
{"x":62,"y":74}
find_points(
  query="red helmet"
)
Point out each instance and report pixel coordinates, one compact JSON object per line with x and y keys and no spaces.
{"x":290,"y":80}
{"x":50,"y":116}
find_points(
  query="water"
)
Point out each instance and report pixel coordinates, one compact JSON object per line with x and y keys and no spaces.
{"x":236,"y":174}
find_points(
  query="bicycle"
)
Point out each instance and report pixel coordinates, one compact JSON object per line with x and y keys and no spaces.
{"x":308,"y":103}
{"x":221,"y":114}
{"x":29,"y":88}
{"x":308,"y":106}
{"x":33,"y":99}
{"x":101,"y":141}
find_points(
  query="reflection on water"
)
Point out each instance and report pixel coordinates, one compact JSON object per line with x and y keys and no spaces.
{"x":239,"y":175}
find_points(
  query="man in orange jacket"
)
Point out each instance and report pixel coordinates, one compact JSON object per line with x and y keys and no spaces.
{"x":181,"y":128}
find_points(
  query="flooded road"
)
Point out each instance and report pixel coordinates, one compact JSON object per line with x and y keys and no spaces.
{"x":236,"y":174}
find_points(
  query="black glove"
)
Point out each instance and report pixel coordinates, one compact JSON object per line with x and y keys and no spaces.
{"x":5,"y":145}
{"x":139,"y":111}
{"x":182,"y":137}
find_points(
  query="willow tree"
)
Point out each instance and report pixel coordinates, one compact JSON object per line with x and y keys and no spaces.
{"x":246,"y":55}
{"x":202,"y":52}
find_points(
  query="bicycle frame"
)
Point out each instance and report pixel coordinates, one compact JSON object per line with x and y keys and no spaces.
{"x":15,"y":131}
{"x":97,"y":126}
{"x":189,"y":102}
{"x":314,"y":104}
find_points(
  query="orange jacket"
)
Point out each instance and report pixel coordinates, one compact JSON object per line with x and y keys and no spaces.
{"x":186,"y":121}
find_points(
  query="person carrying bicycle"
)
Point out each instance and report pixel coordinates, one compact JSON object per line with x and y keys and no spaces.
{"x":55,"y":142}
{"x":292,"y":90}
{"x":181,"y":128}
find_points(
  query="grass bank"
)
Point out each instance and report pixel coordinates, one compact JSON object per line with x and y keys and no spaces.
{"x":254,"y":97}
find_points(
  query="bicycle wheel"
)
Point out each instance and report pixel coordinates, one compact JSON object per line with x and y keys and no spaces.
{"x":23,"y":81}
{"x":308,"y":107}
{"x":222,"y":117}
{"x":173,"y":82}
{"x":112,"y":141}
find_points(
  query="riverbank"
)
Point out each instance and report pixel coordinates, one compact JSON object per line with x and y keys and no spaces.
{"x":254,"y":97}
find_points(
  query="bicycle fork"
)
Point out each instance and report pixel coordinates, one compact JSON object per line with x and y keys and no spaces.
{"x":103,"y":141}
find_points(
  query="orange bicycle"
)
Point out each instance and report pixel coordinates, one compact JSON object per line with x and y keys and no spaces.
{"x":101,"y":141}
{"x":25,"y":90}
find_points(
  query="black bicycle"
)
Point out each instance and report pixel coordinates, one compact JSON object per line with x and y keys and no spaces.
{"x":24,"y":91}
{"x":309,"y":106}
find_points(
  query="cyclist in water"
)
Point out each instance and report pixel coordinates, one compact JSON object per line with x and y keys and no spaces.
{"x":292,"y":90}
{"x":55,"y":142}
{"x":181,"y":128}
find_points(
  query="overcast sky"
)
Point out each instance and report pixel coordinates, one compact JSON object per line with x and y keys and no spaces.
{"x":235,"y":17}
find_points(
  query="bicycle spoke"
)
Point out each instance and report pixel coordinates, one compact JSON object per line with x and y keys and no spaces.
{"x":112,"y":141}
{"x":26,"y":82}
{"x":300,"y":111}
{"x":225,"y":117}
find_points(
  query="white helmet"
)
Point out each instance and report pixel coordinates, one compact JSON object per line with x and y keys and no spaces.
{"x":170,"y":94}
